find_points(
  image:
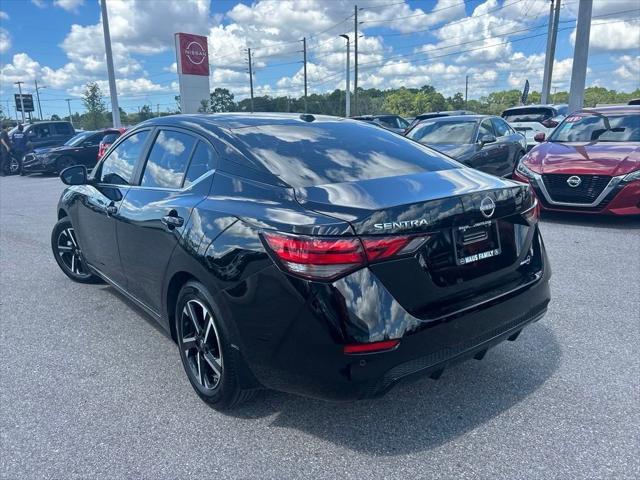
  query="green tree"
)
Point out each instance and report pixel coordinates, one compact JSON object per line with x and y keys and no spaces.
{"x":145,"y":113}
{"x":55,"y":117}
{"x":221,"y":101}
{"x":94,"y":106}
{"x":400,"y":102}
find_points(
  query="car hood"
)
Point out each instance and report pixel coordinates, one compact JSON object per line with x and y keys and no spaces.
{"x":602,"y":158}
{"x":455,"y":150}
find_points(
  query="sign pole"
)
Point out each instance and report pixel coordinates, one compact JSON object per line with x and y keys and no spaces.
{"x":21,"y":99}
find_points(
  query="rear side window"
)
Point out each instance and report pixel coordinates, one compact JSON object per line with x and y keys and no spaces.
{"x":41,"y":131}
{"x":63,"y":129}
{"x":168,"y":160}
{"x":117,"y":168}
{"x":337,"y":151}
{"x":528,"y":114}
{"x":109,"y":138}
{"x":202,"y":161}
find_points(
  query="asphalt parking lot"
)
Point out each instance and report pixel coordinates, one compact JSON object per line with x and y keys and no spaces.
{"x":90,"y":388}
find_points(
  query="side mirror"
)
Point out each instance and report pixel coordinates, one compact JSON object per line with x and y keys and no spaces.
{"x":540,"y":137}
{"x":488,"y":138}
{"x":75,"y":175}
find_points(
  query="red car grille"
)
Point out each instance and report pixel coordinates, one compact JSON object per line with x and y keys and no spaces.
{"x":591,"y":186}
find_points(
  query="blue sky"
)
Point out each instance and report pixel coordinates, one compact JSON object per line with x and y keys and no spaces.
{"x":497,"y":43}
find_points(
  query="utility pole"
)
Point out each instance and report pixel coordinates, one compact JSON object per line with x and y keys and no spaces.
{"x":38,"y":98}
{"x":158,"y":109}
{"x":115,"y":110}
{"x":355,"y":60}
{"x":347,"y":109}
{"x":21,"y":99}
{"x":304,"y":50}
{"x":580,"y":56}
{"x":466,"y":90}
{"x":69,"y":106}
{"x":552,"y":36}
{"x":250,"y":77}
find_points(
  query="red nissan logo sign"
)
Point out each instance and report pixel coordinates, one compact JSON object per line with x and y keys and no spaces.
{"x":193,"y":54}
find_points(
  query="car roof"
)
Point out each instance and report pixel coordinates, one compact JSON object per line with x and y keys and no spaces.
{"x":453,"y":118}
{"x":613,"y":109}
{"x":230,"y":121}
{"x":540,"y":105}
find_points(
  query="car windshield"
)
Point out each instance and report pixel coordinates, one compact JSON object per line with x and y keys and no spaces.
{"x":436,"y":132}
{"x":78,"y":139}
{"x":587,"y":127}
{"x":337,"y":151}
{"x":528,"y":114}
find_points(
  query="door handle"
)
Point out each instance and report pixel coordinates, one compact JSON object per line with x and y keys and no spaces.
{"x":172,"y":221}
{"x":111,"y":209}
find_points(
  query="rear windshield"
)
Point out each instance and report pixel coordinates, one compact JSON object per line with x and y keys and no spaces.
{"x":597,"y":128}
{"x":337,"y":151}
{"x":444,"y":132}
{"x":528,"y":114}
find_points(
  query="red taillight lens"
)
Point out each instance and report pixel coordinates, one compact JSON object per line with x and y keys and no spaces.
{"x":317,"y":258}
{"x":326,"y":258}
{"x":550,"y":123}
{"x":371,"y":347}
{"x":386,"y":247}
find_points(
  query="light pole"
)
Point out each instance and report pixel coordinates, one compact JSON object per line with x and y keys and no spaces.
{"x":115,"y":110}
{"x":348,"y":95}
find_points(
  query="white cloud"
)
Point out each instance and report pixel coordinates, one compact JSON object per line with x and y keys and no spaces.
{"x":4,"y":15}
{"x":39,"y":3}
{"x":5,"y":40}
{"x":68,"y":5}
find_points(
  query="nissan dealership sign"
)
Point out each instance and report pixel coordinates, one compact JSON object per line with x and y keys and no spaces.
{"x":192,"y":55}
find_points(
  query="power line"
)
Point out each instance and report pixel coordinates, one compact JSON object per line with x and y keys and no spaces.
{"x":421,"y":14}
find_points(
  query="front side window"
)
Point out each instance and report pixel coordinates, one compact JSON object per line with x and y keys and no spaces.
{"x":202,"y":161}
{"x":485,"y":128}
{"x":118,"y":167}
{"x":501,"y":128}
{"x":168,"y":160}
{"x":41,"y":131}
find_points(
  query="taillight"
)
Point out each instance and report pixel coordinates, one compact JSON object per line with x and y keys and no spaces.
{"x":328,"y":258}
{"x":550,"y":123}
{"x":372,"y":347}
{"x":533,"y":214}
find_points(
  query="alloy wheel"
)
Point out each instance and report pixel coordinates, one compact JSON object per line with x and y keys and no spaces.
{"x":70,"y":253}
{"x":14,"y":166}
{"x":201,"y":344}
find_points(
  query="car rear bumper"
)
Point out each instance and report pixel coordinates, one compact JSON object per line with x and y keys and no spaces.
{"x":296,"y":345}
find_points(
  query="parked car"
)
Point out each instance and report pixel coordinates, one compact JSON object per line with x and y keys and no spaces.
{"x":443,"y":113}
{"x":47,"y":134}
{"x":634,"y":101}
{"x":309,"y":254}
{"x":533,"y":119}
{"x":590,"y":163}
{"x":483,"y":142}
{"x":108,"y":140}
{"x":79,"y":150}
{"x":395,"y":123}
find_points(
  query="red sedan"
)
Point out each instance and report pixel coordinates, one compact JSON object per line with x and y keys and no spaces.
{"x":590,"y":163}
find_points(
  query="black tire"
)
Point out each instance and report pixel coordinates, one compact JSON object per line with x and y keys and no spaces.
{"x":221,"y":391}
{"x":64,"y":162}
{"x":68,"y":254}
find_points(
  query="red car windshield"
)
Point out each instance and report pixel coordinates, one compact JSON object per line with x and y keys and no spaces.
{"x":588,"y":127}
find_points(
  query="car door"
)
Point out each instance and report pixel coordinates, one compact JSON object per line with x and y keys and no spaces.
{"x":95,"y":221}
{"x":487,"y":157}
{"x":152,"y":219}
{"x":509,"y":146}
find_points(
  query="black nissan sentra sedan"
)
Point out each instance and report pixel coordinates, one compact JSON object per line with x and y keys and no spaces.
{"x":309,"y":254}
